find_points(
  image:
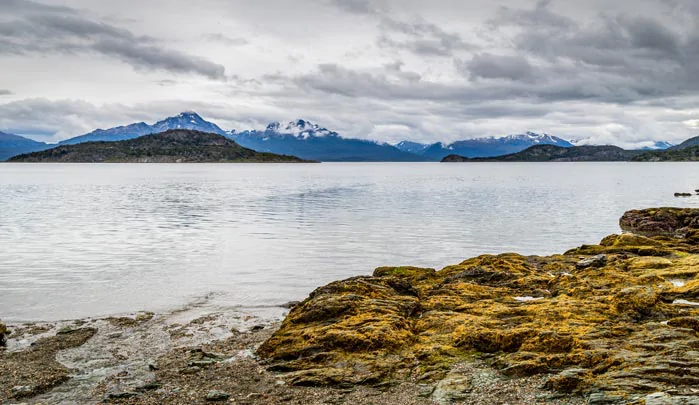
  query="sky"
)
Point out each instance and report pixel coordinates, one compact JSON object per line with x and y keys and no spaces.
{"x":622,"y":72}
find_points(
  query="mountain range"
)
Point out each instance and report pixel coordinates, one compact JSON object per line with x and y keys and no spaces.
{"x":171,"y":146}
{"x":309,"y":141}
{"x":185,"y":120}
{"x":306,"y":140}
{"x":482,"y":147}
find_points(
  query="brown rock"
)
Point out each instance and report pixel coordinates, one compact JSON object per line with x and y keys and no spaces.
{"x":659,"y":221}
{"x":3,"y":333}
{"x":603,"y":323}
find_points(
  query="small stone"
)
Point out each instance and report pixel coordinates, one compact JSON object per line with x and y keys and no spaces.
{"x":21,"y":390}
{"x":257,"y":328}
{"x":191,"y":370}
{"x":149,"y":386}
{"x":594,"y":261}
{"x":425,"y":390}
{"x":683,"y":194}
{"x":144,"y":316}
{"x":602,"y":398}
{"x":216,"y":395}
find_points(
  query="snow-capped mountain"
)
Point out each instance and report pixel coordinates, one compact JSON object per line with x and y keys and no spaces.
{"x":185,"y":120}
{"x":534,"y":139}
{"x":412,"y":147}
{"x":310,"y":141}
{"x":482,"y":147}
{"x":300,"y":128}
{"x":659,"y":145}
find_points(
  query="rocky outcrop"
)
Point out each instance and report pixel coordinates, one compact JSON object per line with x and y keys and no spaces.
{"x":616,"y":322}
{"x":669,"y":222}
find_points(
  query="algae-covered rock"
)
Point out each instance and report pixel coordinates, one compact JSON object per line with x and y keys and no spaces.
{"x":613,"y":326}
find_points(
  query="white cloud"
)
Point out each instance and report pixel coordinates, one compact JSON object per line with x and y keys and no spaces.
{"x":621,"y":73}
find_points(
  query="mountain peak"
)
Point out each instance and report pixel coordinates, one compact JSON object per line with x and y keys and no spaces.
{"x":190,"y":115}
{"x":187,"y":120}
{"x":274,"y":126}
{"x":299,"y":128}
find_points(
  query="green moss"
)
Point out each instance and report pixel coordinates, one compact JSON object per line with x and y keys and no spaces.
{"x":411,"y":321}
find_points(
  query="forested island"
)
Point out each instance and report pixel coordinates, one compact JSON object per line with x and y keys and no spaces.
{"x":174,"y":146}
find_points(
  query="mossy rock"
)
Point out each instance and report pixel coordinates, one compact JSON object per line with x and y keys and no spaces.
{"x":607,"y":325}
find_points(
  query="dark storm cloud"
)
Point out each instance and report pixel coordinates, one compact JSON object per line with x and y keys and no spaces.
{"x":614,"y":58}
{"x":648,"y":34}
{"x":38,"y":28}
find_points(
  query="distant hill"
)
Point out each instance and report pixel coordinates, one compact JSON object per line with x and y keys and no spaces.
{"x":173,"y":146}
{"x":553,"y":153}
{"x":12,"y":145}
{"x":185,"y":120}
{"x":309,"y":141}
{"x":687,"y":144}
{"x":685,"y":154}
{"x":482,"y":147}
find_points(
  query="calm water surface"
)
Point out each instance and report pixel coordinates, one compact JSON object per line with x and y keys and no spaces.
{"x":88,"y":240}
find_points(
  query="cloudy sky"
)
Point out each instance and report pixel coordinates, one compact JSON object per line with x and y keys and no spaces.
{"x":623,"y":72}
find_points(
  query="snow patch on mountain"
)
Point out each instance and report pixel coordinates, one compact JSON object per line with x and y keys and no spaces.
{"x":301,"y":129}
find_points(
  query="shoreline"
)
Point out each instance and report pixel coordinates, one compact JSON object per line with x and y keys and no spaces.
{"x":611,"y":323}
{"x":192,"y":356}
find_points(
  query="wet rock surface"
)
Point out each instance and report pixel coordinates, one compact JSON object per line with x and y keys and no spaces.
{"x":35,"y":370}
{"x":613,"y":330}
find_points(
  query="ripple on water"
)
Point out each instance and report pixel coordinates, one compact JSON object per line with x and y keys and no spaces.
{"x":91,"y":240}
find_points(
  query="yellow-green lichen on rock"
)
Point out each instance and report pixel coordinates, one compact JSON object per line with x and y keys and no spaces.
{"x":619,"y":319}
